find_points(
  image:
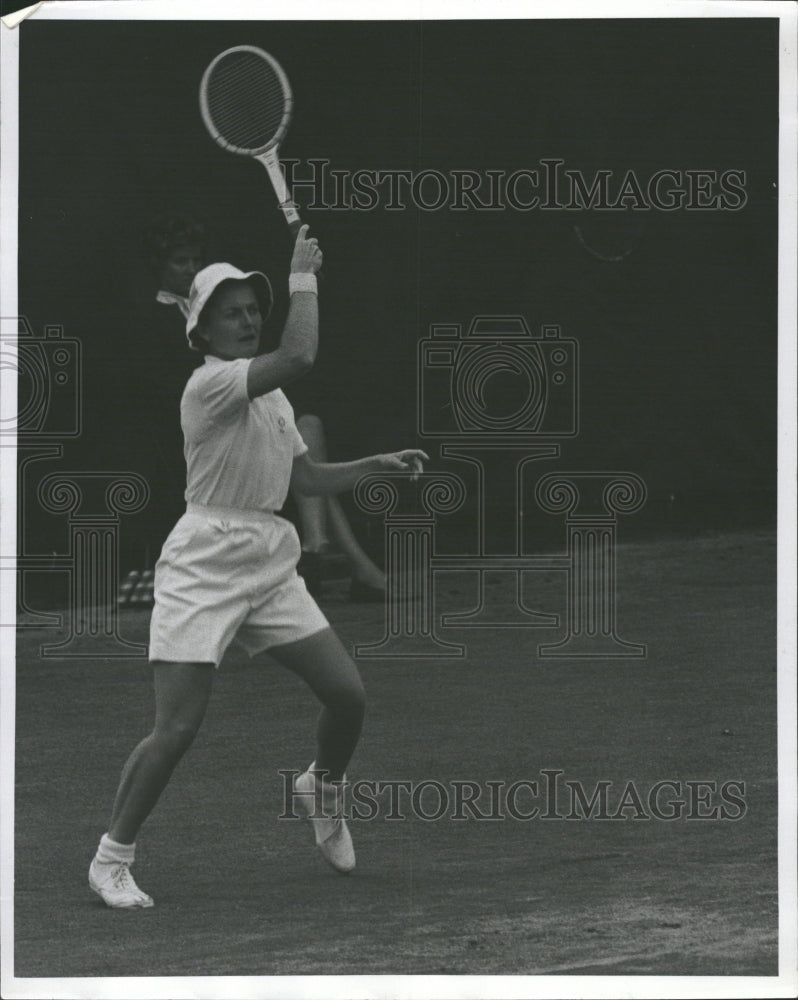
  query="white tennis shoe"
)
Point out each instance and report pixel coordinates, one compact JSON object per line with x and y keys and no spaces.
{"x":326,"y":814}
{"x":114,"y":884}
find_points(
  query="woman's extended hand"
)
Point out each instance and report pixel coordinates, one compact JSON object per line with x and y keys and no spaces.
{"x":410,"y":458}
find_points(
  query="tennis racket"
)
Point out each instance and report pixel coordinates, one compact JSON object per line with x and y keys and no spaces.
{"x":246,"y":104}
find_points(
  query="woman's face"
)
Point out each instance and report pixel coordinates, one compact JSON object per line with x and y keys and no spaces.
{"x":231,"y":322}
{"x":177,"y":270}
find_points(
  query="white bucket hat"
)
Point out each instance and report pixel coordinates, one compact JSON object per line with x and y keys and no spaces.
{"x":208,"y":280}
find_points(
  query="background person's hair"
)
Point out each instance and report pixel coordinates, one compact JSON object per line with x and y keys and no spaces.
{"x":199,"y":344}
{"x":169,"y":232}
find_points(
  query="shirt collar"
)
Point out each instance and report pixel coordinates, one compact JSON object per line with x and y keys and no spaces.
{"x":171,"y":299}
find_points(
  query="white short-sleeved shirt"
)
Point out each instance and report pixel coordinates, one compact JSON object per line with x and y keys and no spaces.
{"x":239,"y":451}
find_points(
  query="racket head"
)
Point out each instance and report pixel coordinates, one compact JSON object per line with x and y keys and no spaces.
{"x":245,"y":100}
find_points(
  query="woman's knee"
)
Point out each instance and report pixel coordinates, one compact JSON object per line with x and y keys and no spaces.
{"x":176,"y":734}
{"x":182,"y":691}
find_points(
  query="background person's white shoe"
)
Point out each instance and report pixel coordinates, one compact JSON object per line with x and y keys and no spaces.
{"x":325,"y":813}
{"x":114,"y":884}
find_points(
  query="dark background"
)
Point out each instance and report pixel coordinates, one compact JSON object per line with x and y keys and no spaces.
{"x":678,"y":339}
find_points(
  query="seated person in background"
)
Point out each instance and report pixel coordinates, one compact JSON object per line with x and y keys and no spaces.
{"x":174,"y":249}
{"x":323,"y":524}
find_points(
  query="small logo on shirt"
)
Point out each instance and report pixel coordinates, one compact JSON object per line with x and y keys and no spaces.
{"x":281,"y":424}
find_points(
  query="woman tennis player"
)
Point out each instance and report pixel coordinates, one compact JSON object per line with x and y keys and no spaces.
{"x":227,"y":571}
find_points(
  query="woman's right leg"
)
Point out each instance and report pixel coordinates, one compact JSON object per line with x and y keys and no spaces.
{"x":182,"y":691}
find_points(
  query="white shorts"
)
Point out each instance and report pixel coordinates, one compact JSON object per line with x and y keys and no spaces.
{"x":226,"y":575}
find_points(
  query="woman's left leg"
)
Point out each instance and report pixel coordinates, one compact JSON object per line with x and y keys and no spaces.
{"x":322,"y":661}
{"x":324,"y":664}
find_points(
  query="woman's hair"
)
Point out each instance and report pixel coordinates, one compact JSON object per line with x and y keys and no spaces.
{"x":168,"y":232}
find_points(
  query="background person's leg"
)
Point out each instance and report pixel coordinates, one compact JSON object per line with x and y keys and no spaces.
{"x":362,"y":568}
{"x":322,"y":517}
{"x":312,"y":510}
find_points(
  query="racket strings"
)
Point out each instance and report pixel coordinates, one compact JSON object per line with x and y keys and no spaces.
{"x":246,"y":101}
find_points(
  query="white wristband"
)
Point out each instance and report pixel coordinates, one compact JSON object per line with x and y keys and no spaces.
{"x":302,"y":281}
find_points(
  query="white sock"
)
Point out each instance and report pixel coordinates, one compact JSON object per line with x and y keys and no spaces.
{"x":325,"y":780}
{"x":332,"y":793}
{"x":110,"y":852}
